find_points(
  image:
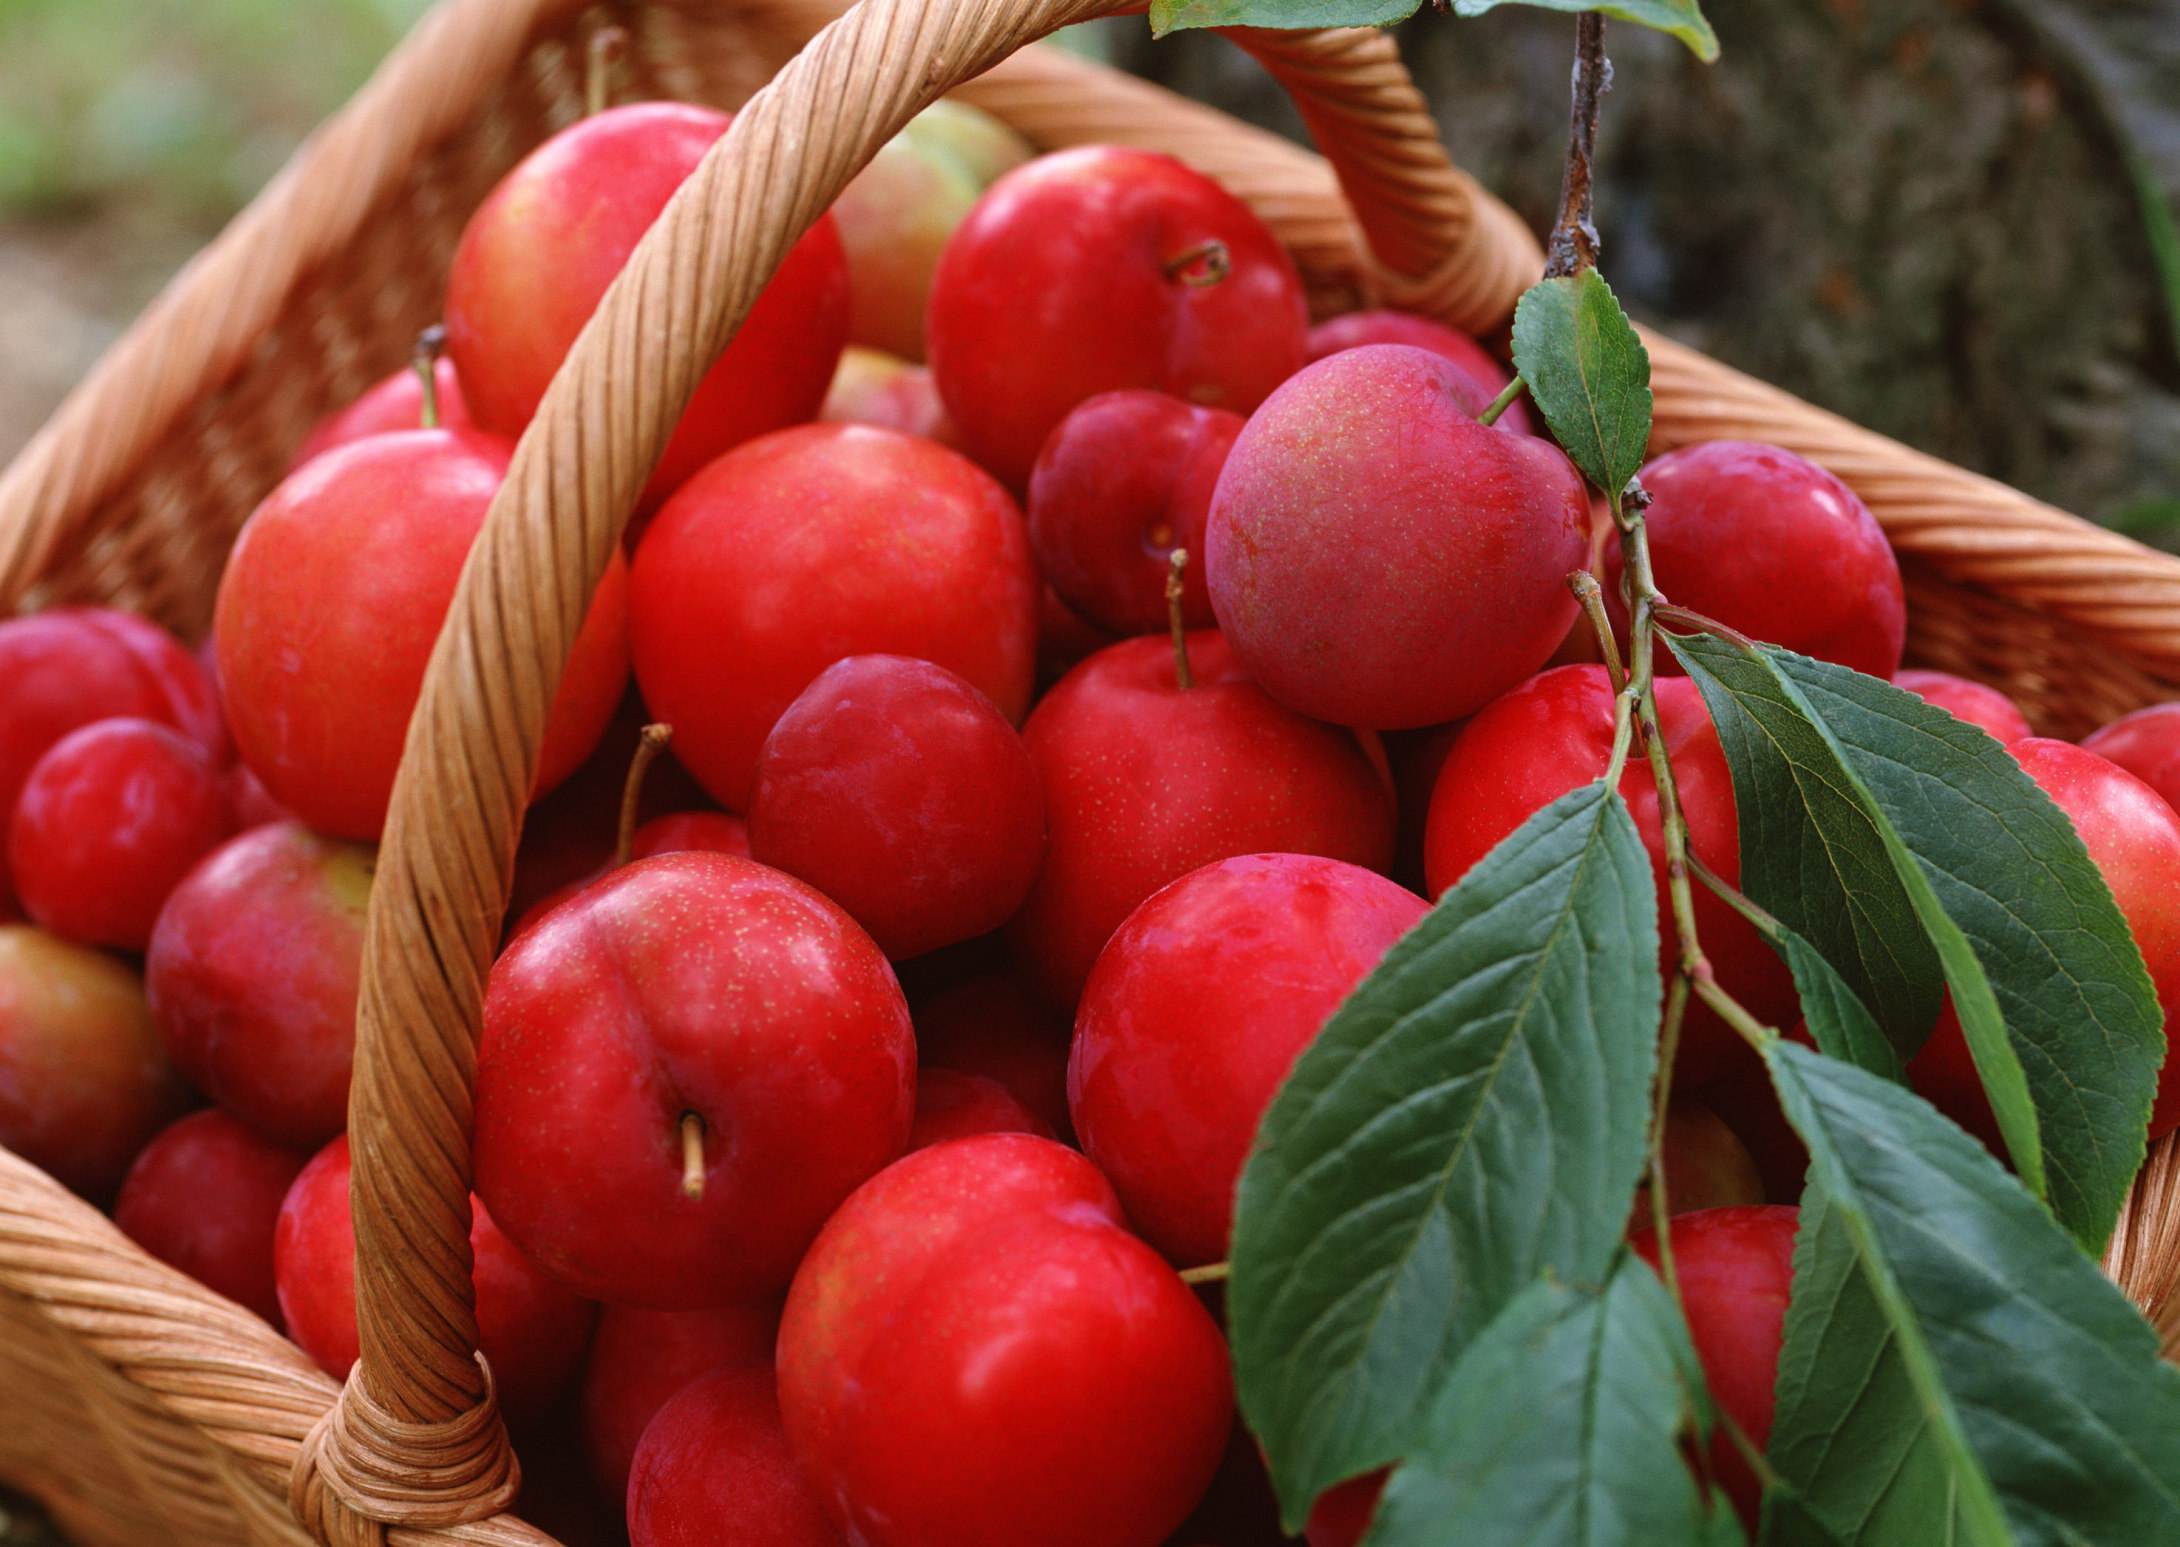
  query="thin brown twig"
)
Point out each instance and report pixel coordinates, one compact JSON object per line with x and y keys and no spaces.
{"x":1574,"y":243}
{"x":648,"y":747}
{"x":1176,"y":562}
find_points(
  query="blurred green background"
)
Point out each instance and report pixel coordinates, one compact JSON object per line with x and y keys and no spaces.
{"x":1950,"y":219}
{"x":130,"y":130}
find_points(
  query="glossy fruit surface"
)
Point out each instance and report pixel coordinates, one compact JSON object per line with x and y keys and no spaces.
{"x":2134,"y":838}
{"x":873,"y":387}
{"x":1379,"y":558}
{"x":977,"y":1354}
{"x":71,"y":666}
{"x":571,"y":834}
{"x":531,"y":1329}
{"x":253,"y":974}
{"x":901,"y":792}
{"x":677,"y":832}
{"x":1095,"y":269}
{"x":639,"y":1359}
{"x":1170,"y":1076}
{"x":109,"y":821}
{"x":1553,"y":734}
{"x":1477,"y":363}
{"x":204,"y":1197}
{"x":1773,"y":545}
{"x":329,"y":608}
{"x":395,"y":403}
{"x":248,"y":803}
{"x":717,"y":1453}
{"x":84,"y":1079}
{"x":1736,"y":1272}
{"x":2146,"y":744}
{"x":687,"y":986}
{"x":1977,"y":703}
{"x":954,"y":1105}
{"x":536,"y":258}
{"x":810,"y":546}
{"x":1145,"y":780}
{"x":1122,"y":481}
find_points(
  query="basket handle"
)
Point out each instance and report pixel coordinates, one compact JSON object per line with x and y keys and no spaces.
{"x":415,"y":1439}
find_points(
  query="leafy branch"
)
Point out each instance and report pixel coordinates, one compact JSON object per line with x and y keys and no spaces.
{"x":1426,"y":1250}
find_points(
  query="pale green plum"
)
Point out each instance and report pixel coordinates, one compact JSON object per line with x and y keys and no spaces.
{"x":873,"y":387}
{"x":897,"y":214}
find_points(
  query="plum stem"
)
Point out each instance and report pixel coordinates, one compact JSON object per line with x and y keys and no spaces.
{"x":1573,"y":248}
{"x":1201,"y":266}
{"x":1501,"y":403}
{"x":1701,"y":623}
{"x":1209,"y":1273}
{"x":1574,"y":243}
{"x":648,"y":747}
{"x":1592,"y":597}
{"x":1733,"y":897}
{"x":1739,"y":1438}
{"x":424,"y":360}
{"x":692,"y":1155}
{"x":1661,"y":1212}
{"x":607,"y":45}
{"x":1176,"y":562}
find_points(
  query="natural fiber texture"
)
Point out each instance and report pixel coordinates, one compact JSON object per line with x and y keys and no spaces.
{"x":139,"y":1406}
{"x":136,"y":1401}
{"x":2119,"y":602}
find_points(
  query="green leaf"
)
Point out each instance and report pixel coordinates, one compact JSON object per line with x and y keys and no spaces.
{"x":1185,"y":15}
{"x":1560,"y":1427}
{"x":1839,"y":778}
{"x":1788,"y":1522}
{"x":1682,"y":19}
{"x":1722,"y":1528}
{"x":1954,"y":1370}
{"x":1812,"y":850}
{"x":1841,"y":1024}
{"x":1589,"y":374}
{"x":1891,"y":1477}
{"x":1474,"y":1116}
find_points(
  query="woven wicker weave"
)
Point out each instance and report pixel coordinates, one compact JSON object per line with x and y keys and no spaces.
{"x":142,"y":1408}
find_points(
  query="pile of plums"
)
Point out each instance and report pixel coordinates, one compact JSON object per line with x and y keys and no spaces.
{"x":1073,"y":672}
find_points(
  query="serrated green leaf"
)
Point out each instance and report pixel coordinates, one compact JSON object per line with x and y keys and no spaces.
{"x":1473,"y":1117}
{"x":1811,"y":850}
{"x":1839,"y":1022}
{"x":1589,"y":373}
{"x":1890,"y":1478}
{"x":1682,"y":19}
{"x":1186,"y":15}
{"x":1560,"y":1427}
{"x":1954,"y":1370}
{"x":2050,"y":990}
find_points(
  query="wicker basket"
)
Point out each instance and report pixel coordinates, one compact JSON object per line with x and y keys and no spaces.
{"x":144,"y":1409}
